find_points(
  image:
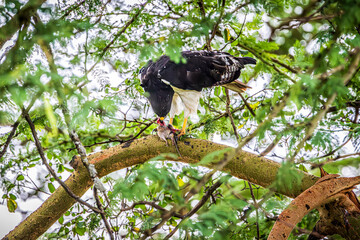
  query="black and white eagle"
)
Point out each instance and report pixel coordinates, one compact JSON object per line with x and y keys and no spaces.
{"x":172,"y":87}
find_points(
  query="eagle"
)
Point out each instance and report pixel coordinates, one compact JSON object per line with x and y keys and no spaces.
{"x":173,"y":87}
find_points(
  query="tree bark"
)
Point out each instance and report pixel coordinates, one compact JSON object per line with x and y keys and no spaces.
{"x":245,"y":165}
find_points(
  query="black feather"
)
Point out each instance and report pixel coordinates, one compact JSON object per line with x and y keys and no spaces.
{"x":202,"y":69}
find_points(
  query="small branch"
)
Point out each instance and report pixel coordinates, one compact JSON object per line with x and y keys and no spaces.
{"x":16,"y":124}
{"x":203,"y":200}
{"x":247,"y":105}
{"x":277,"y":109}
{"x":258,"y":55}
{"x":72,"y":8}
{"x":152,"y":204}
{"x":272,"y":145}
{"x":151,"y":231}
{"x":336,"y":149}
{"x":51,"y":171}
{"x":237,"y":37}
{"x":316,"y":165}
{"x":215,"y":118}
{"x":217,"y":24}
{"x":102,"y":213}
{"x":299,"y":21}
{"x":230,"y":115}
{"x":172,"y":10}
{"x":256,"y":210}
{"x":9,"y":138}
{"x":354,"y":104}
{"x":117,"y":35}
{"x":314,"y":122}
{"x":239,"y":7}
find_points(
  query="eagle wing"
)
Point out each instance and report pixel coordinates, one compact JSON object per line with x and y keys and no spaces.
{"x":202,"y":69}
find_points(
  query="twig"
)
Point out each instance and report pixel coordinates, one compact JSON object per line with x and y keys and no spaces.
{"x":230,"y":115}
{"x":16,"y":124}
{"x":314,"y":122}
{"x":102,"y":213}
{"x":256,"y":210}
{"x":153,"y":204}
{"x":172,"y":10}
{"x":247,"y":105}
{"x":72,"y":8}
{"x":9,"y":138}
{"x":277,"y":109}
{"x":239,"y":34}
{"x":316,"y":165}
{"x":336,"y":149}
{"x":239,"y":7}
{"x":197,"y":207}
{"x":215,"y":118}
{"x":354,"y":104}
{"x":117,"y":35}
{"x":258,"y":55}
{"x":217,"y":24}
{"x":51,"y":171}
{"x":272,"y":145}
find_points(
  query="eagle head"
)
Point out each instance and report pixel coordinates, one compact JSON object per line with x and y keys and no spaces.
{"x":159,"y":94}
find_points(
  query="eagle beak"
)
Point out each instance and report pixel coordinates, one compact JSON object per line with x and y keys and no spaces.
{"x":160,"y":121}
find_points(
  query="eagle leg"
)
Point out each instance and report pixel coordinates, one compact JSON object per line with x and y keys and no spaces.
{"x":183,"y":129}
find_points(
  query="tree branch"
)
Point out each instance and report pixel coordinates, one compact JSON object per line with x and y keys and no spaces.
{"x":197,"y":207}
{"x":12,"y":26}
{"x":244,"y":165}
{"x":51,"y":171}
{"x":314,"y":122}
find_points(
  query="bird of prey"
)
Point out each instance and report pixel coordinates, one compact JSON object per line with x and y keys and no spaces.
{"x":172,"y":87}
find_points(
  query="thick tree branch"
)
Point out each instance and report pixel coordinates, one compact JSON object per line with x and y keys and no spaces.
{"x":326,"y":189}
{"x":244,"y":165}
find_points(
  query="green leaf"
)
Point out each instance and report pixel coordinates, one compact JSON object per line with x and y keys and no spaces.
{"x":20,"y":178}
{"x":61,"y":220}
{"x":51,"y":187}
{"x":11,"y":205}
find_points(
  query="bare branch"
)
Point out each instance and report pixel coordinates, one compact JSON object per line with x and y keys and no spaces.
{"x":201,"y":203}
{"x":102,"y":213}
{"x":230,"y":115}
{"x":51,"y":171}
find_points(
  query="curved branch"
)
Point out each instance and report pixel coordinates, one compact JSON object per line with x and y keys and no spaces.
{"x":245,"y":165}
{"x":326,"y":189}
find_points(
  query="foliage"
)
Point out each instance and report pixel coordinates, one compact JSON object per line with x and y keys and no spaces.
{"x":89,"y":53}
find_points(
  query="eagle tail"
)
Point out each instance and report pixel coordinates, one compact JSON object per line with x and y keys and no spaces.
{"x":236,"y":86}
{"x":248,"y":60}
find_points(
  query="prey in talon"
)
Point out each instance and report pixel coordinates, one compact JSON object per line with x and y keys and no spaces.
{"x":167,"y":132}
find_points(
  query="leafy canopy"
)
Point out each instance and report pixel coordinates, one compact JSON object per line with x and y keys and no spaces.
{"x":303,"y":106}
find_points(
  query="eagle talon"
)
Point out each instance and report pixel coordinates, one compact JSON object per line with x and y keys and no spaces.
{"x":181,"y":134}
